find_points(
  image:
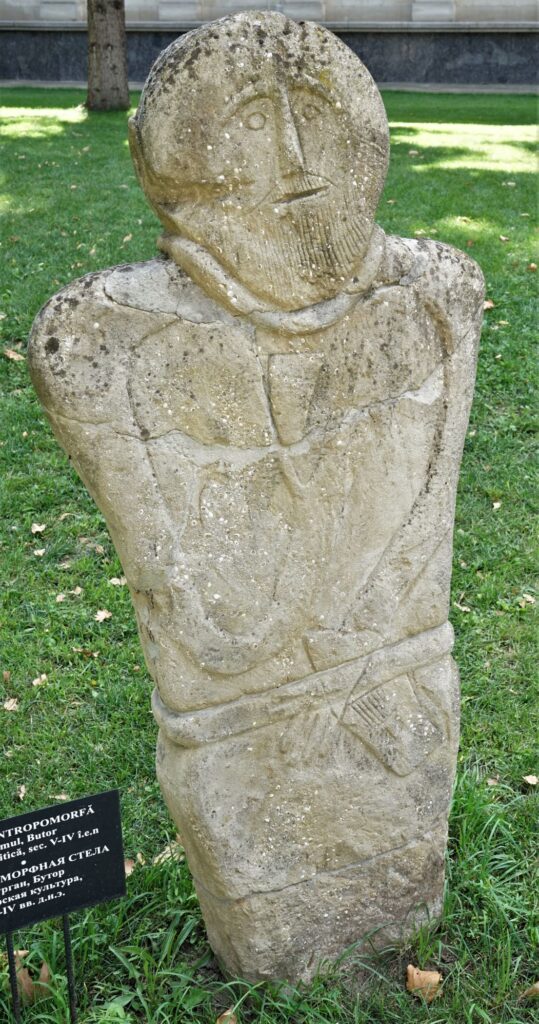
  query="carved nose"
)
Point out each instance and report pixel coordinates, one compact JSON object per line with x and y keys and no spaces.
{"x":290,"y":151}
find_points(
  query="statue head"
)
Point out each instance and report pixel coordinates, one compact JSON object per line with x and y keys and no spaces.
{"x":265,"y":143}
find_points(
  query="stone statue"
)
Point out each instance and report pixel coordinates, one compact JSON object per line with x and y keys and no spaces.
{"x":270,"y":416}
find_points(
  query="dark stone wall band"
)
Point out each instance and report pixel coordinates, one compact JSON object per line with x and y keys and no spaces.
{"x":453,"y":58}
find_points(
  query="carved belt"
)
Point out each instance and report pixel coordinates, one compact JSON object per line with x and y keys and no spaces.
{"x":355,"y":682}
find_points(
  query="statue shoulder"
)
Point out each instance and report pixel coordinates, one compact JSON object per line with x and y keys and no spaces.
{"x":444,"y":278}
{"x":154,"y":286}
{"x":160,"y":286}
{"x":84,"y":338}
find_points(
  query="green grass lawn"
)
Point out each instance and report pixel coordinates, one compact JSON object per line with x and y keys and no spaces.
{"x":461,"y":172}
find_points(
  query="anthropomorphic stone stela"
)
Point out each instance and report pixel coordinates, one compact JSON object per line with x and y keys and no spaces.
{"x":270,"y":416}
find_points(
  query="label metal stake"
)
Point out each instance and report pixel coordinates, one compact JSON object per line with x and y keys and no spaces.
{"x":13,"y":977}
{"x":70,"y":974}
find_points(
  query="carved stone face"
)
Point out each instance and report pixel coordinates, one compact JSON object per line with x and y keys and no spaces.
{"x":247,"y":143}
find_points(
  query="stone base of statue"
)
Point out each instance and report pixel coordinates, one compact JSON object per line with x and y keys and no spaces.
{"x":315,"y":815}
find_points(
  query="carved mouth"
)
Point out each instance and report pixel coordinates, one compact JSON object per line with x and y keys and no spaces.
{"x":294,"y":197}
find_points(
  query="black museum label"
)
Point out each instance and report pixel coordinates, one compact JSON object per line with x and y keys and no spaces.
{"x":60,"y":859}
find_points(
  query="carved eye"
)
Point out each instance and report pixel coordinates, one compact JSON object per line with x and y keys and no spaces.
{"x":310,"y":111}
{"x":256,"y":121}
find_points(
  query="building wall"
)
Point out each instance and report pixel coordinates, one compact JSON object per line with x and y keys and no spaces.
{"x":335,"y":12}
{"x":443,"y":42}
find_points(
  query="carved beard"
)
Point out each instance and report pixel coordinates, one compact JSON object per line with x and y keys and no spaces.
{"x":293,"y":259}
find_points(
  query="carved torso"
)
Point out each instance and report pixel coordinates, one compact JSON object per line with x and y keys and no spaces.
{"x":282,"y":470}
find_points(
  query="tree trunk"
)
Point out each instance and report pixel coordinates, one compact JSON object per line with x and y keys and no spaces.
{"x":107,"y":56}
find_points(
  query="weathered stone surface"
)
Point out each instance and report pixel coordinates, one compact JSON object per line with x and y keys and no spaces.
{"x":271,"y":419}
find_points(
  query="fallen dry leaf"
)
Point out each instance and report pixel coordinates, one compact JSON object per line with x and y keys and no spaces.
{"x":504,"y":238}
{"x":129,"y":867}
{"x":10,"y":353}
{"x":21,"y":792}
{"x":87,"y":653}
{"x":140,"y":859}
{"x":60,"y":598}
{"x":98,"y":548}
{"x":228,"y":1017}
{"x":494,"y":781}
{"x":423,"y":983}
{"x":39,"y":680}
{"x":6,"y":675}
{"x":77,"y":591}
{"x":118,"y":581}
{"x":172,"y":851}
{"x":31,"y":990}
{"x":19,"y":957}
{"x":531,"y":993}
{"x":38,"y":527}
{"x":11,"y":704}
{"x":489,"y":304}
{"x":60,"y":796}
{"x":102,"y":614}
{"x":496,"y":505}
{"x":127,"y":238}
{"x":532,"y":780}
{"x":39,"y":552}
